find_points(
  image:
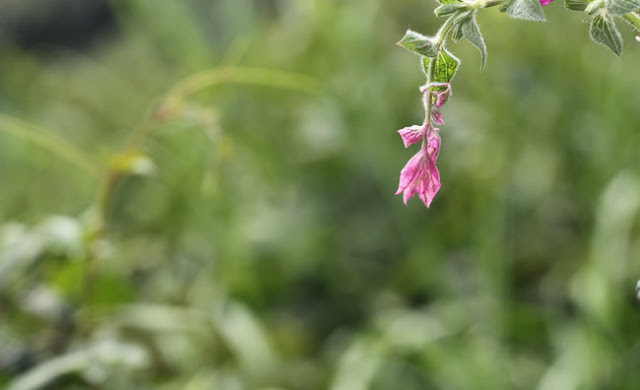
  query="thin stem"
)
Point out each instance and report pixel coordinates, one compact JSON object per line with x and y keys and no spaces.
{"x":440,"y":37}
{"x":444,"y":30}
{"x":633,"y":19}
{"x":43,"y":138}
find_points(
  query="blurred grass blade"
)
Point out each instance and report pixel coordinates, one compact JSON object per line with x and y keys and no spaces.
{"x":57,"y":146}
{"x":98,"y":356}
{"x":46,"y":372}
{"x":245,"y":336}
{"x":251,"y":76}
{"x":597,"y":286}
{"x":359,"y":364}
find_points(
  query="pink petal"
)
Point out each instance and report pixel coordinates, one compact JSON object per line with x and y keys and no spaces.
{"x":411,"y":171}
{"x":436,"y":117}
{"x":545,"y":2}
{"x":411,"y":135}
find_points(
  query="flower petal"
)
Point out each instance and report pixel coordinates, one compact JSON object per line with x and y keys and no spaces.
{"x":411,"y":171}
{"x":411,"y":135}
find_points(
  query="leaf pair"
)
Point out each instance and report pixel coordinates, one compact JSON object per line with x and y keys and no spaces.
{"x":444,"y":63}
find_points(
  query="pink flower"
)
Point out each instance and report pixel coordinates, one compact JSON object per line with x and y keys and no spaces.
{"x":420,"y":175}
{"x":638,"y":39}
{"x":545,"y":2}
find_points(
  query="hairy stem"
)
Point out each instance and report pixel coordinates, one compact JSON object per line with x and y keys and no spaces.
{"x":633,"y":19}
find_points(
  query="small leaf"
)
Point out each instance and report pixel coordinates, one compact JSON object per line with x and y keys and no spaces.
{"x":524,"y":9}
{"x":471,"y":31}
{"x":448,"y":9}
{"x":603,"y":30}
{"x":575,"y":5}
{"x":419,"y":43}
{"x":458,"y":21}
{"x":445,"y":67}
{"x":621,"y":7}
{"x":456,"y":32}
{"x":448,"y":1}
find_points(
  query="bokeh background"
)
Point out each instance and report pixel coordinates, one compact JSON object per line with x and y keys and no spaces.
{"x":199,"y":194}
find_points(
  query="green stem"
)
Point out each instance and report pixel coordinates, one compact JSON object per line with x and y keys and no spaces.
{"x":633,"y":19}
{"x":440,"y":37}
{"x":444,"y":30}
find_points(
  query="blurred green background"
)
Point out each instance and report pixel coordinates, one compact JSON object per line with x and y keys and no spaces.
{"x":198,"y":194}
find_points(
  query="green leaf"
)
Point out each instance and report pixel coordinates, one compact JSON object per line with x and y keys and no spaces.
{"x":621,"y":7}
{"x":471,"y":31}
{"x":604,"y":31}
{"x":524,"y":9}
{"x":445,"y":67}
{"x":448,"y":9}
{"x":575,"y":5}
{"x":448,"y":1}
{"x":456,"y":32}
{"x":419,"y":43}
{"x":458,"y":21}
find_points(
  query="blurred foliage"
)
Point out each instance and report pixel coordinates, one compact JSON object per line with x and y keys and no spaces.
{"x":204,"y":200}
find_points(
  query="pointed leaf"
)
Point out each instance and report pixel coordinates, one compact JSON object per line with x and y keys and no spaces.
{"x":524,"y":9}
{"x":621,"y":7}
{"x":603,"y":30}
{"x":419,"y":43}
{"x":456,"y":32}
{"x":458,"y":21}
{"x":445,"y":67}
{"x":471,"y":31}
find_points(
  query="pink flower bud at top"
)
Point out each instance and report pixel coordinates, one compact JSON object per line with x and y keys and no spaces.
{"x":545,"y":2}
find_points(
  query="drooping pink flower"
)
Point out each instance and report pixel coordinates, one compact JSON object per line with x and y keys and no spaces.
{"x":420,"y":176}
{"x":638,"y":39}
{"x":545,"y":2}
